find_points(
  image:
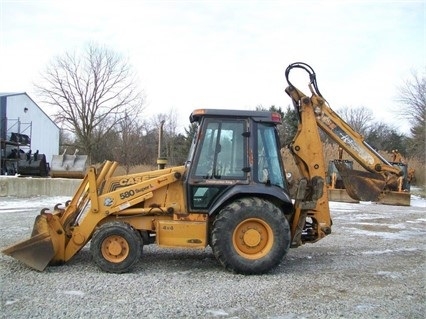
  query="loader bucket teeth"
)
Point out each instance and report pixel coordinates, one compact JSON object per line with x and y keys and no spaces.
{"x":361,"y":185}
{"x":37,"y":251}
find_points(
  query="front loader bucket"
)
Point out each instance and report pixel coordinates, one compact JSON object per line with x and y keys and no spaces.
{"x":361,"y":185}
{"x":37,"y":251}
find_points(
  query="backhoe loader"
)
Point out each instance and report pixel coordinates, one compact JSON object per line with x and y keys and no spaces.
{"x":230,"y":194}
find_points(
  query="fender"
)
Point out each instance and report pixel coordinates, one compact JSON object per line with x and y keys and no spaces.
{"x":274,"y":193}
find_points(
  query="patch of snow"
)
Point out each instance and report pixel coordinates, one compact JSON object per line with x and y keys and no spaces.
{"x":388,"y":251}
{"x":404,"y":235}
{"x":217,"y":313}
{"x":74,"y":293}
{"x":32,"y":203}
{"x":366,"y":306}
{"x":11,"y":302}
{"x":390,"y":274}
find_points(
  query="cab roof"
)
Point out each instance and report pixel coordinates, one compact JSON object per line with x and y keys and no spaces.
{"x":257,"y":116}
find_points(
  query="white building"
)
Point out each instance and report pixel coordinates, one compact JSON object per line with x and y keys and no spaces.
{"x":21,"y":117}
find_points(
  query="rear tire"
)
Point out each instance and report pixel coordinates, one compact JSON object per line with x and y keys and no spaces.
{"x":116,"y":247}
{"x":250,"y":236}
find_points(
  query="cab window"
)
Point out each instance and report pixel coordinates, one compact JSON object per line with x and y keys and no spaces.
{"x":221,"y":156}
{"x":222,"y":152}
{"x":269,"y":169}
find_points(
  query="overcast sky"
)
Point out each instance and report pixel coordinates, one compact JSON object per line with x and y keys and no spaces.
{"x":227,"y":54}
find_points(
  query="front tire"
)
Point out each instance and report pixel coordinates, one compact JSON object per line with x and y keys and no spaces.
{"x":116,"y":247}
{"x":250,"y":236}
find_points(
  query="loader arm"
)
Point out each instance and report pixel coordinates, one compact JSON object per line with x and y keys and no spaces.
{"x":57,"y":236}
{"x":115,"y":202}
{"x":359,"y":185}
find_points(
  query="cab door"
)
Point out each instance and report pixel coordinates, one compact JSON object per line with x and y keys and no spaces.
{"x":219,"y":161}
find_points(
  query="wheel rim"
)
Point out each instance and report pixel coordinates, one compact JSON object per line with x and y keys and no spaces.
{"x":115,"y":248}
{"x":253,"y":238}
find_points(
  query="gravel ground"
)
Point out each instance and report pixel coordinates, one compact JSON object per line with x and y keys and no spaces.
{"x":371,"y":266}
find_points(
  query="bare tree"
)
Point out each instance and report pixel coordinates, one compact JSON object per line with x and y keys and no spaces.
{"x":172,"y":141}
{"x":170,"y":137}
{"x":92,"y":92}
{"x":412,"y":94}
{"x":359,"y":118}
{"x":128,"y":151}
{"x":66,"y":143}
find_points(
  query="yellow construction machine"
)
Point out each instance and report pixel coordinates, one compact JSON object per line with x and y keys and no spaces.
{"x":231,"y":194}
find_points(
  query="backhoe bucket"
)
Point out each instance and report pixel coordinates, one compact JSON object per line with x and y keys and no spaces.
{"x":361,"y":185}
{"x":37,"y":251}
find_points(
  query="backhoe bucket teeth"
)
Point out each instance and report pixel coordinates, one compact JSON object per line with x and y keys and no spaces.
{"x":37,"y":251}
{"x":361,"y":185}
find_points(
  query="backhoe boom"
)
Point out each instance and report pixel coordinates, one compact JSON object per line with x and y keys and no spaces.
{"x":360,"y":185}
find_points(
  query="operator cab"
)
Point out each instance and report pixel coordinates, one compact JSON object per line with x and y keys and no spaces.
{"x":233,"y":152}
